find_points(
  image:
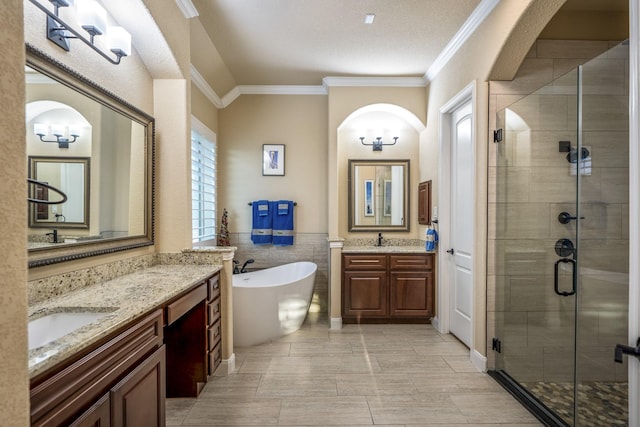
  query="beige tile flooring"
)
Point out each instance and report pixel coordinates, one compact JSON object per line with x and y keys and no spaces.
{"x":362,"y":375}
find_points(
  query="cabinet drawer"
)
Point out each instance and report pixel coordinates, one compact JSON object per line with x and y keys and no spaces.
{"x":213,"y":287}
{"x":177,"y":309}
{"x":213,"y":312}
{"x":215,"y":357}
{"x":364,"y":262}
{"x":213,"y":335}
{"x":411,"y":262}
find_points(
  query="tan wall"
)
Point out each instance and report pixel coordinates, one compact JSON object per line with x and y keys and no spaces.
{"x":342,"y":102}
{"x":203,"y":109}
{"x":473,"y":63}
{"x":587,"y":25}
{"x":14,"y":387}
{"x":298,"y":122}
{"x":173,"y":165}
{"x":129,"y":80}
{"x":133,"y":80}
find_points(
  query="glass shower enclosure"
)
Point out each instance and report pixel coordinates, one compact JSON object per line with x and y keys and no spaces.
{"x":558,"y":245}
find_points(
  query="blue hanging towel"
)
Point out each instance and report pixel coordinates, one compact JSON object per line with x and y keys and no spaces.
{"x":261,"y":230}
{"x":282,"y":222}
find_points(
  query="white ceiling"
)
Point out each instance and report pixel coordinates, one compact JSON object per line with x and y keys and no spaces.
{"x":249,"y":44}
{"x":299,"y":42}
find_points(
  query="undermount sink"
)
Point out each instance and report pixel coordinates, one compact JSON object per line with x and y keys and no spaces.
{"x":52,"y":326}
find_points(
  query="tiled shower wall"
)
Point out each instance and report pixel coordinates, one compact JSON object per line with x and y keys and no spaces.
{"x":529,"y":185}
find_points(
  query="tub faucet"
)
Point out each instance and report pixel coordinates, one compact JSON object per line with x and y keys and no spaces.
{"x":379,"y":243}
{"x":54,"y":236}
{"x":244,"y":266}
{"x":236,"y":266}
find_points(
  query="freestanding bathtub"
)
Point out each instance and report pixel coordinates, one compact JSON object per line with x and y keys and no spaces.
{"x":270,"y":303}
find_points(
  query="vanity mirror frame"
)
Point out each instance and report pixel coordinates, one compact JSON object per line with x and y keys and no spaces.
{"x":43,"y":63}
{"x":34,"y":222}
{"x":353,"y":226}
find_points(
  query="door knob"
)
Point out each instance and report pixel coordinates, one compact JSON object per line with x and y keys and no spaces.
{"x":451,"y":251}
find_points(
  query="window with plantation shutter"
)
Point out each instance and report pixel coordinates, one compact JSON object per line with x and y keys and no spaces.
{"x":203,"y":188}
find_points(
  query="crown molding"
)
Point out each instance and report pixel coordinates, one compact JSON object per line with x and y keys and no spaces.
{"x":374,"y":81}
{"x":187,"y":8}
{"x":230,"y":97}
{"x":204,"y":87}
{"x":282,"y":90}
{"x":271,"y":90}
{"x":472,"y":23}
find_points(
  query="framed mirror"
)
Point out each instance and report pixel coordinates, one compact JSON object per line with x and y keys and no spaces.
{"x":378,"y":195}
{"x":98,"y":150}
{"x":71,"y":176}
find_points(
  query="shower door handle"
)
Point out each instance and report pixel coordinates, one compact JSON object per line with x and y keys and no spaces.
{"x":556,"y":278}
{"x":625,"y":349}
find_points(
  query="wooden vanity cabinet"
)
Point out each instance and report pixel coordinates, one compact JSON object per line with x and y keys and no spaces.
{"x":101,"y":387}
{"x":411,"y":288}
{"x":387,"y":288}
{"x":214,"y":328}
{"x":193,"y":336}
{"x":365,"y":287}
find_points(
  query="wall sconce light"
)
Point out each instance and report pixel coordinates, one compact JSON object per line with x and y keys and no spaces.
{"x":377,"y":143}
{"x":57,"y":131}
{"x":93,"y":19}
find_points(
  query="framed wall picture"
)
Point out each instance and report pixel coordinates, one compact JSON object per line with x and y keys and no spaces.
{"x":273,"y":159}
{"x":368,"y":197}
{"x":387,"y":197}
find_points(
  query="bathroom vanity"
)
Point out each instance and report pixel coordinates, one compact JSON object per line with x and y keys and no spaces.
{"x":161,"y":338}
{"x":387,"y":287}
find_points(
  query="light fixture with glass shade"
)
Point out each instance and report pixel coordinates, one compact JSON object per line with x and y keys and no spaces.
{"x":92,"y":17}
{"x":377,"y":143}
{"x":63,"y":134}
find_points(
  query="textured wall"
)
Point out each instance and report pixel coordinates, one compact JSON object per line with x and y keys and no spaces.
{"x":14,"y":387}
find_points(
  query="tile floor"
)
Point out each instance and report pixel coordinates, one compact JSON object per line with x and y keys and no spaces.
{"x":362,"y":375}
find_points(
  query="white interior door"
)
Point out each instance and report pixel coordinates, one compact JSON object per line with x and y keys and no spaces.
{"x":462,"y":214}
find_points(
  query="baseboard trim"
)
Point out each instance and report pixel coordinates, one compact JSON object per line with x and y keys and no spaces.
{"x":435,"y":322}
{"x":479,"y":361}
{"x":335,"y":323}
{"x":227,"y":366}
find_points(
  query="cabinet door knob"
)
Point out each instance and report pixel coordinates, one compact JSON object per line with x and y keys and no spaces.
{"x":451,"y":251}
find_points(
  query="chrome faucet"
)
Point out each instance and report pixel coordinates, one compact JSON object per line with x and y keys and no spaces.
{"x":54,"y":236}
{"x":379,"y":240}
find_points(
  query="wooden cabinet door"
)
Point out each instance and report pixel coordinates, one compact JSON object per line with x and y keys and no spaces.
{"x":424,"y":203}
{"x":411,"y":294}
{"x":99,"y":415}
{"x":138,"y":400}
{"x":365,"y":294}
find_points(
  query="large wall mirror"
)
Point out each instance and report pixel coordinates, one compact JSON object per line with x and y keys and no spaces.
{"x":378,"y":195}
{"x":96,"y":149}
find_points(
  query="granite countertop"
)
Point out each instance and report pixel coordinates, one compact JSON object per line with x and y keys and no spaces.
{"x":124,"y":299}
{"x":386,"y":249}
